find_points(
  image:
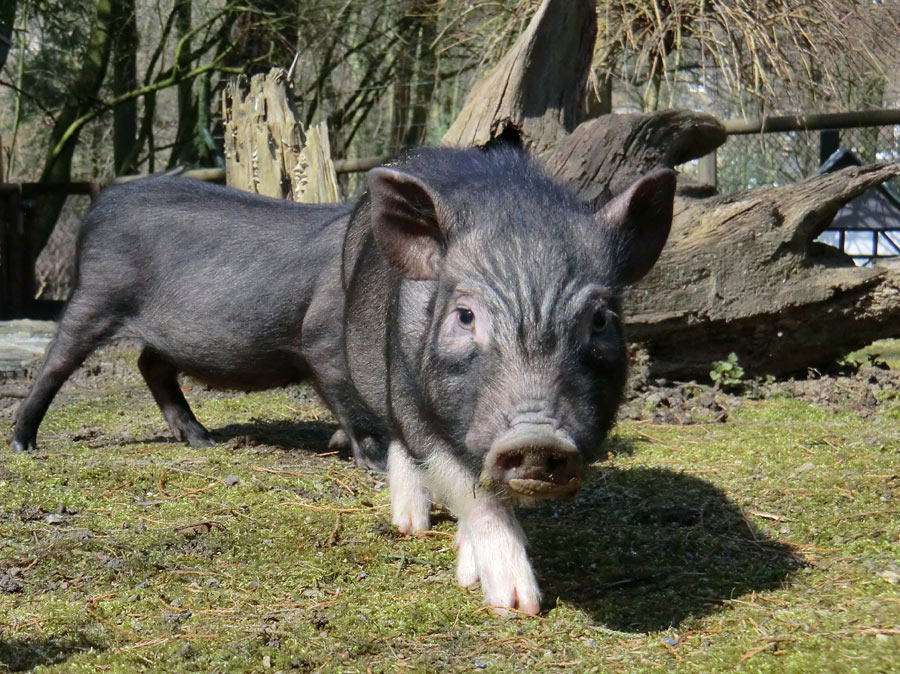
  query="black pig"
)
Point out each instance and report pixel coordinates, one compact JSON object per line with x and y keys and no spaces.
{"x":480,"y":344}
{"x":238,"y":290}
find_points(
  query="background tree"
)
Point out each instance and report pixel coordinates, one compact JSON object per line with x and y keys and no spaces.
{"x":89,"y":92}
{"x":7,"y":18}
{"x":66,"y":130}
{"x":125,"y":115}
{"x":416,"y":74}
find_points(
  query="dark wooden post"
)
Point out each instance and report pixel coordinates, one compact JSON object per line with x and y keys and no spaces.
{"x":17,"y":263}
{"x":829,"y":143}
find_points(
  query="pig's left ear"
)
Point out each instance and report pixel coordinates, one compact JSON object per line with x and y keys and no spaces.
{"x":405,"y":222}
{"x":640,"y":219}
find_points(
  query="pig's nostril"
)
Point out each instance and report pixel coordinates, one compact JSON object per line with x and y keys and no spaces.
{"x":554,"y":464}
{"x":510,"y":461}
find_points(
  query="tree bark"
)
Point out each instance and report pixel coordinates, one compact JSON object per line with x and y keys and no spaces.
{"x":416,"y":67}
{"x":604,"y":155}
{"x":125,"y":116}
{"x":266,"y":148}
{"x":184,"y":149}
{"x":742,"y":273}
{"x":7,"y":18}
{"x":262,"y":35}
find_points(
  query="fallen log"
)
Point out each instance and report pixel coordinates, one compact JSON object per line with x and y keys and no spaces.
{"x":742,"y":273}
{"x":603,"y":156}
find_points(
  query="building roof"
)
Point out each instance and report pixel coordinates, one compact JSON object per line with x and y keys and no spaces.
{"x":877,"y":209}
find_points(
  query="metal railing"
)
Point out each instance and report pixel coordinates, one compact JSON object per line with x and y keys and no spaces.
{"x":778,"y":150}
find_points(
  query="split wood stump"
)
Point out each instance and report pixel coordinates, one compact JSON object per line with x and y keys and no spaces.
{"x":267,"y":151}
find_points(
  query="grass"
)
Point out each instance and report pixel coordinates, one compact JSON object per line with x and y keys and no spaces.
{"x":767,"y":543}
{"x":887,"y":350}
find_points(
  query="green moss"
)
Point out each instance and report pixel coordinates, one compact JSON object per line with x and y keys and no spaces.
{"x":767,"y":543}
{"x":886,"y":350}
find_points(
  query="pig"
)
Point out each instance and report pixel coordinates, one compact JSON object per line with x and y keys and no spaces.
{"x":238,"y":290}
{"x":463,"y":323}
{"x":483,"y":323}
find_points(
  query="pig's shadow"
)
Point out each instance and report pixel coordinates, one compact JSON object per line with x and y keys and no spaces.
{"x":642,"y":549}
{"x":19,"y":655}
{"x":309,"y":436}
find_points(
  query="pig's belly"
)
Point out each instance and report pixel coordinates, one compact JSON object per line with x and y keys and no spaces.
{"x":246,"y":376}
{"x":236,"y":360}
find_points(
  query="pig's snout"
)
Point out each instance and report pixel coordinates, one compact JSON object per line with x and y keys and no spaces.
{"x":534,"y":462}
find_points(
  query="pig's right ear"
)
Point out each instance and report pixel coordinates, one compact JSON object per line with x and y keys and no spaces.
{"x":405,"y":223}
{"x":639,"y":220}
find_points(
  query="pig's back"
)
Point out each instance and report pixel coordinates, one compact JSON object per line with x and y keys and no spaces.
{"x":216,"y":279}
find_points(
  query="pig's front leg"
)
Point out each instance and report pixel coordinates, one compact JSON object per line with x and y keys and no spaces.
{"x":410,"y":500}
{"x":490,"y":541}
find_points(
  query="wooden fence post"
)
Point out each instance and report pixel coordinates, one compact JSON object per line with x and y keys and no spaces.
{"x":17,"y":264}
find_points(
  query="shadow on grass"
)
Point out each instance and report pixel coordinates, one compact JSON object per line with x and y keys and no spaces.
{"x":643,"y":549}
{"x":20,"y":655}
{"x":309,"y":436}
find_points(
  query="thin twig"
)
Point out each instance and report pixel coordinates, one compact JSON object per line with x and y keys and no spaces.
{"x":113,"y":625}
{"x":854,"y":516}
{"x":325,"y":509}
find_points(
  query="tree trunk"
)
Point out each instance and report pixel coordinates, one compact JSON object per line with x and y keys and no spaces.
{"x":184,"y":149}
{"x":125,"y":117}
{"x":740,"y":273}
{"x":7,"y":18}
{"x":262,"y":35}
{"x":416,"y":67}
{"x":58,"y":163}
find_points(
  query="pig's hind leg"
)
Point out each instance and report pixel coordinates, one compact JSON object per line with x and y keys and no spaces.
{"x":162,"y":379}
{"x":84,"y":326}
{"x":410,"y":500}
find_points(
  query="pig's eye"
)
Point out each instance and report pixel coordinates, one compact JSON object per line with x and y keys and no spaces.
{"x":599,"y":322}
{"x":466,"y":318}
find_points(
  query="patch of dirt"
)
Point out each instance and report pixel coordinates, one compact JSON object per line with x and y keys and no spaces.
{"x":683,"y":404}
{"x":866,"y":389}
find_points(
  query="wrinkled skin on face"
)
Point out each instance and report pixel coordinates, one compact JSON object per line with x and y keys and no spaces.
{"x":503,"y":344}
{"x":526,"y":364}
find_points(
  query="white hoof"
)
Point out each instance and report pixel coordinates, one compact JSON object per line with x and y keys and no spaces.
{"x":466,"y":566}
{"x":410,"y":501}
